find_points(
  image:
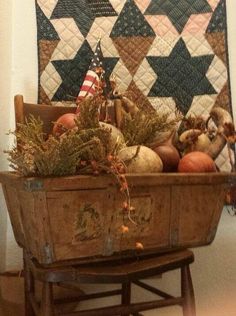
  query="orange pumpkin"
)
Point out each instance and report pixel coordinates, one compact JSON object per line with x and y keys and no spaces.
{"x":64,"y":123}
{"x":197,"y":161}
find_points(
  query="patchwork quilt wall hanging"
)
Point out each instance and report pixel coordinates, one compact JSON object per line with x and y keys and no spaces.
{"x":169,"y":53}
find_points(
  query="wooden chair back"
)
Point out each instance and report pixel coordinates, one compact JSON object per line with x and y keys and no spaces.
{"x":47,"y":113}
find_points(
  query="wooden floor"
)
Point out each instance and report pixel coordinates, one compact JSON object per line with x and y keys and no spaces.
{"x":10,"y":309}
{"x":12,"y":296}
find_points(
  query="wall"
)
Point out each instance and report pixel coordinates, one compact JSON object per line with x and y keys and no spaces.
{"x":18,"y":74}
{"x":5,"y":88}
{"x":24,"y":81}
{"x":214,"y":271}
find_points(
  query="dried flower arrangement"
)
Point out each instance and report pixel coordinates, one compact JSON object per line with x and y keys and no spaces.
{"x":111,"y":133}
{"x":88,"y":148}
{"x":35,"y":154}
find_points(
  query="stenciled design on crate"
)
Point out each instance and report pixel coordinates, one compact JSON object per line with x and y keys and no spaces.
{"x":88,"y":220}
{"x":169,"y":54}
{"x":88,"y":224}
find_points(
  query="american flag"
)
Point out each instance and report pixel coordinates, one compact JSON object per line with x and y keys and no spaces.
{"x":94,"y":79}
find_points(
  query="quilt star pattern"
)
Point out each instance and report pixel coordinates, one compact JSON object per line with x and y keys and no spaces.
{"x":170,"y":54}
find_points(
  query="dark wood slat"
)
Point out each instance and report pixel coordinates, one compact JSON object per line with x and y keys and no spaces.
{"x":74,"y":286}
{"x":187,"y":292}
{"x":35,"y":305}
{"x":29,"y":288}
{"x":152,"y":289}
{"x":86,"y":297}
{"x":126,"y":296}
{"x":47,"y":307}
{"x":131,"y":309}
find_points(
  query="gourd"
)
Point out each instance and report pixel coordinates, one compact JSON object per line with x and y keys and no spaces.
{"x":140,"y":159}
{"x":117,"y":138}
{"x":194,"y":140}
{"x":169,"y":154}
{"x":221,"y":118}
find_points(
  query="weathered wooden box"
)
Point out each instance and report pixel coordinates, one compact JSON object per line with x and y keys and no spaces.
{"x":80,"y":217}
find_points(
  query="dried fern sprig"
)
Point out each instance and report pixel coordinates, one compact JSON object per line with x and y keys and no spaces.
{"x":89,"y":112}
{"x":30,"y":131}
{"x":142,"y":128}
{"x":55,"y":157}
{"x":34,"y":156}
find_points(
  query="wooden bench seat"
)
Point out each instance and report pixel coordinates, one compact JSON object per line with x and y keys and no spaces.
{"x":123,"y":271}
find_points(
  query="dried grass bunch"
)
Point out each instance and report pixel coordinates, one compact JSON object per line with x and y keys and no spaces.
{"x":143,"y":128}
{"x":34,"y":154}
{"x":85,"y":149}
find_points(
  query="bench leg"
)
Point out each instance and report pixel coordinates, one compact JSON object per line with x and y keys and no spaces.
{"x":187,"y":292}
{"x":126,"y":295}
{"x":47,"y":308}
{"x":29,"y":289}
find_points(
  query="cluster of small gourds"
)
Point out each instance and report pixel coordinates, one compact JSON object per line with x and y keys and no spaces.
{"x":194,"y":150}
